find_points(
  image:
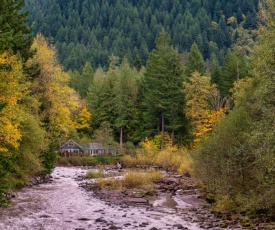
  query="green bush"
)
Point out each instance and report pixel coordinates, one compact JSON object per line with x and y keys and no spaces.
{"x":235,"y":163}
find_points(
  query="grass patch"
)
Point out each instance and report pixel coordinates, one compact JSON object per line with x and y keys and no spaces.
{"x":135,"y":179}
{"x":131,"y":179}
{"x":110,"y":184}
{"x":95,"y":174}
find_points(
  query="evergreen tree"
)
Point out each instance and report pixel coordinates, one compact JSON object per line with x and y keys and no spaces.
{"x":86,"y":79}
{"x":194,"y":62}
{"x":234,"y":69}
{"x":137,"y":63}
{"x":15,"y":35}
{"x":162,"y":88}
{"x":125,"y":88}
{"x":215,"y":72}
{"x":104,"y":28}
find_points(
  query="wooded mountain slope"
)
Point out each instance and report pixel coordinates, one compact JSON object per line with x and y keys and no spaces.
{"x":93,"y":30}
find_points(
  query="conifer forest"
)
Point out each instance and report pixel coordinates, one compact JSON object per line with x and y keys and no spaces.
{"x":188,"y":78}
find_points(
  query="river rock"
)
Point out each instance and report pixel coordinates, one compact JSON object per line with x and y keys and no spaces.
{"x":114,"y":227}
{"x":179,"y":226}
{"x":137,"y":200}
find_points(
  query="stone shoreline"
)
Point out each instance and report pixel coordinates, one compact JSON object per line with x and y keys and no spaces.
{"x":191,"y":205}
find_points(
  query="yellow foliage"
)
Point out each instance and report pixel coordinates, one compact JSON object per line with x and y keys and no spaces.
{"x":169,"y":159}
{"x":167,"y":140}
{"x":11,"y":91}
{"x":82,"y":120}
{"x":231,"y":20}
{"x":61,"y":102}
{"x":186,"y":165}
{"x":149,"y":146}
{"x":198,"y":92}
{"x":207,"y":122}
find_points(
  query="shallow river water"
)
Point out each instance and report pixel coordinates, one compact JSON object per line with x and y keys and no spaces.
{"x":62,"y":204}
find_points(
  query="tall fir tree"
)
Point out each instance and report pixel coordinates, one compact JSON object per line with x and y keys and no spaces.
{"x":15,"y":35}
{"x":162,"y":88}
{"x":215,"y":72}
{"x":194,"y":62}
{"x":234,"y":69}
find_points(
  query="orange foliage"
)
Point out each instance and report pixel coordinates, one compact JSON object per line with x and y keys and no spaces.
{"x":199,"y":108}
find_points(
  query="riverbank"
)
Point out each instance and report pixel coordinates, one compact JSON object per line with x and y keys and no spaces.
{"x":179,"y":193}
{"x":65,"y":204}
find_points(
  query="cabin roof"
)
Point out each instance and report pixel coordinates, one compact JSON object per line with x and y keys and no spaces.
{"x":70,"y":141}
{"x":91,"y":146}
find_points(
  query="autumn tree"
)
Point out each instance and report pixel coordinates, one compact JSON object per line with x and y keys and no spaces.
{"x":11,"y":90}
{"x":22,"y":137}
{"x":59,"y":103}
{"x":203,"y":104}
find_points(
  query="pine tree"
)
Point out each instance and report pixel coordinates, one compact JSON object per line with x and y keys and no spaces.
{"x":162,"y":85}
{"x":15,"y":35}
{"x":215,"y":72}
{"x":86,"y":79}
{"x":194,"y":62}
{"x":234,"y":69}
{"x":125,"y":89}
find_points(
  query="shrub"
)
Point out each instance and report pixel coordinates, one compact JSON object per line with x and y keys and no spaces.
{"x":170,"y":159}
{"x":95,"y":174}
{"x":111,"y":184}
{"x":186,"y":163}
{"x":129,"y":161}
{"x":132,"y":179}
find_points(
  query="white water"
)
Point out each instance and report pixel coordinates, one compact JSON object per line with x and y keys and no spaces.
{"x":63,"y":205}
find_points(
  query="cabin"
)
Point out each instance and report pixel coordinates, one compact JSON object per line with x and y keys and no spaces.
{"x":70,"y":149}
{"x":93,"y":149}
{"x":73,"y":149}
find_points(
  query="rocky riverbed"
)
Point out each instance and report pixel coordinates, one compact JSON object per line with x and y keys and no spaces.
{"x":66,"y":202}
{"x":174,"y":193}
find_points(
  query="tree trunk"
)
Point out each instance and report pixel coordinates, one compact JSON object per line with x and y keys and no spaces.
{"x":162,"y":130}
{"x":173,"y":138}
{"x":121,"y":140}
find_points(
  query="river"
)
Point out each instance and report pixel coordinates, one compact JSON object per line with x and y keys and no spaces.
{"x":63,"y":204}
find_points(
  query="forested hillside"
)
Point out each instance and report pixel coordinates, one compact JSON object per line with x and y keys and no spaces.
{"x":94,"y":30}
